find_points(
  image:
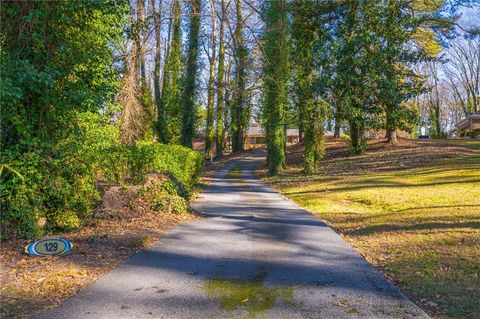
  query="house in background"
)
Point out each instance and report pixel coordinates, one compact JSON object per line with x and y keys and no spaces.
{"x":470,"y":123}
{"x":255,"y":137}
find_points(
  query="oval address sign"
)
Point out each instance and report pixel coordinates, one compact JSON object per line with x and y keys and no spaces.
{"x":49,"y":246}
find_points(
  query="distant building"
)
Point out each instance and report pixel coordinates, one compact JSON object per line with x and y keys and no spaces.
{"x":255,"y":137}
{"x":470,"y":123}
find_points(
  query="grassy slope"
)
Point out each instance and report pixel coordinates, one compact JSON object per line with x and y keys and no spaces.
{"x":421,"y":226}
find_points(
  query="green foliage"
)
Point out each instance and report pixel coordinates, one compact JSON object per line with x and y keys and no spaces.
{"x":147,"y":103}
{"x":368,"y":49}
{"x":188,"y":102}
{"x":63,"y":220}
{"x":275,"y":70}
{"x":219,"y":128}
{"x":470,"y":133}
{"x":150,"y":157}
{"x":62,"y":187}
{"x":20,"y":198}
{"x":166,"y":197}
{"x":240,"y":111}
{"x":168,"y":113}
{"x":56,"y":58}
{"x":311,"y":109}
{"x":56,"y":179}
{"x":57,"y":64}
{"x":58,"y":84}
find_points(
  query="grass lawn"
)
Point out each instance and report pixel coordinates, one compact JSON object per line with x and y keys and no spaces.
{"x":419,"y":224}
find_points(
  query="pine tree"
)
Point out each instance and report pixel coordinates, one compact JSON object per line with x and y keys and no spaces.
{"x":399,"y":22}
{"x":168,"y":113}
{"x":356,"y":82}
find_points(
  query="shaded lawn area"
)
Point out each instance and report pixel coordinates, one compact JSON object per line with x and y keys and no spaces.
{"x":420,"y":224}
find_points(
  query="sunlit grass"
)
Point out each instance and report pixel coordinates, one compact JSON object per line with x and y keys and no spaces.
{"x":420,"y":226}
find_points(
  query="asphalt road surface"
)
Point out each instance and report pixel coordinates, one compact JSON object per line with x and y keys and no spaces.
{"x":280,"y":260}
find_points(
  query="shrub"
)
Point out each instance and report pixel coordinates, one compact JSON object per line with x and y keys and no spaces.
{"x":475,"y":133}
{"x":150,"y":157}
{"x":58,"y":181}
{"x":63,"y":220}
{"x":470,"y":133}
{"x":163,"y":197}
{"x":21,"y":199}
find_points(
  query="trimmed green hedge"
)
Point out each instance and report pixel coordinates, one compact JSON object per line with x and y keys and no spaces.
{"x":150,"y":157}
{"x":58,"y":181}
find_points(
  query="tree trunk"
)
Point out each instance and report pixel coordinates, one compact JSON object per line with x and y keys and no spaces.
{"x":210,"y":91}
{"x":390,"y":126}
{"x":189,"y":114}
{"x":310,"y":109}
{"x":139,"y":39}
{"x":240,"y":94}
{"x":158,"y":52}
{"x":391,"y":136}
{"x":219,"y":131}
{"x":338,"y":120}
{"x":356,"y":138}
{"x":275,"y":82}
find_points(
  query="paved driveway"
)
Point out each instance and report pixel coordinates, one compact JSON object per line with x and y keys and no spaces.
{"x":256,"y":255}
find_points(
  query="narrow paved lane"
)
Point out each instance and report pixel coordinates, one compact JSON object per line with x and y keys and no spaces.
{"x":253,"y":240}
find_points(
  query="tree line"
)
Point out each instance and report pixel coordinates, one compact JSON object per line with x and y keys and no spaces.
{"x":80,"y":79}
{"x":298,"y":64}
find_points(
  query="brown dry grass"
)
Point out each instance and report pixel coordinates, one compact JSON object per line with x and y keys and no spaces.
{"x":123,"y":226}
{"x":379,"y":156}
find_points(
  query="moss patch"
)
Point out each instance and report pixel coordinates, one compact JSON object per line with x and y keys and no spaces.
{"x":234,"y":173}
{"x":250,"y":294}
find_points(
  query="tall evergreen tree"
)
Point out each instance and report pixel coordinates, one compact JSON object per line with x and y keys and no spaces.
{"x":356,"y":82}
{"x":400,"y":22}
{"x":188,"y":110}
{"x":275,"y":73}
{"x":168,"y":113}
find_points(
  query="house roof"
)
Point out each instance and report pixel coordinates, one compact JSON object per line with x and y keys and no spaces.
{"x":464,"y":123}
{"x":254,"y":130}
